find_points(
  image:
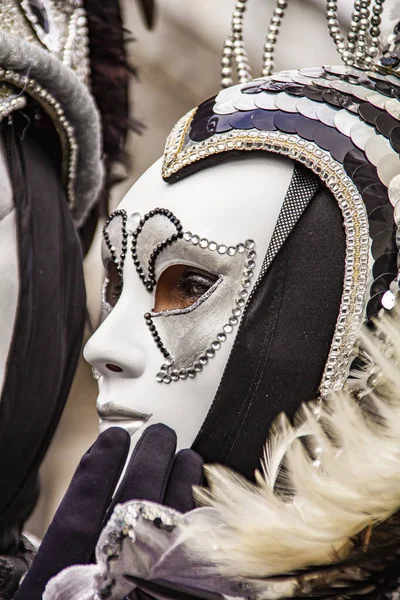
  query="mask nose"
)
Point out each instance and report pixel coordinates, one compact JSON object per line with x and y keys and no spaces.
{"x":113,"y":352}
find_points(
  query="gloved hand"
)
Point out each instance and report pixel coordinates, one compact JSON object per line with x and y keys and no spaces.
{"x":154,"y":473}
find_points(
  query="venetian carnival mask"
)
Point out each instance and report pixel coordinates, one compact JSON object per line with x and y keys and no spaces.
{"x":181,"y":262}
{"x":177,"y":284}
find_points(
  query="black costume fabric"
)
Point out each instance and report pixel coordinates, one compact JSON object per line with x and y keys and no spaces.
{"x":283,"y":341}
{"x":47,"y":333}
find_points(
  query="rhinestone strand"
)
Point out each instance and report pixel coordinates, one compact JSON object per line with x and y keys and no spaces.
{"x":117,"y":260}
{"x":150,"y":280}
{"x":363,"y":41}
{"x":234,"y":49}
{"x":272,"y":36}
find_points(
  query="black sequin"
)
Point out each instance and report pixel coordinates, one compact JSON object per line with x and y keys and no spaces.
{"x":242,"y":119}
{"x":374,"y":196}
{"x":334,"y":141}
{"x":369,"y":113}
{"x":385,"y":123}
{"x":263,"y":120}
{"x":365,"y":176}
{"x":382,"y":283}
{"x":395,"y":138}
{"x":313,"y":94}
{"x":304,"y":127}
{"x":332,"y":97}
{"x":353,"y":160}
{"x":286,"y":121}
{"x":383,"y":243}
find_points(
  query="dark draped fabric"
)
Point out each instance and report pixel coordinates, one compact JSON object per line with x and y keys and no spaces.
{"x":283,"y":341}
{"x":47,"y":333}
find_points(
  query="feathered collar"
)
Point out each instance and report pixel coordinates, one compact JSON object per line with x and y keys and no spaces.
{"x":322,"y":519}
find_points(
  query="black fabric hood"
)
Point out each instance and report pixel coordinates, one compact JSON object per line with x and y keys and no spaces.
{"x":283,"y":341}
{"x":47,"y":332}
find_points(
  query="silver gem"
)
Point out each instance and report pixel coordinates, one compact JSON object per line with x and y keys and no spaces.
{"x":167,"y":379}
{"x":231,"y":251}
{"x":222,"y":249}
{"x":216,"y":345}
{"x":249,"y":244}
{"x":133,"y":221}
{"x":203,"y":243}
{"x":210,"y":353}
{"x":240,"y":248}
{"x":233,"y":321}
{"x":195,"y":239}
{"x":187,"y":236}
{"x":388,"y":300}
{"x":212,"y":245}
{"x":394,"y":190}
{"x":221,"y":337}
{"x":159,"y":377}
{"x":228,"y":328}
{"x":95,"y":373}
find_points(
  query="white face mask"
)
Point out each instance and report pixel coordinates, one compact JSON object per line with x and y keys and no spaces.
{"x":171,"y":319}
{"x":9,"y":268}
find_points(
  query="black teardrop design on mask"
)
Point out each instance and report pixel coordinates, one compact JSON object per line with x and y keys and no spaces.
{"x":39,"y":12}
{"x":150,"y":280}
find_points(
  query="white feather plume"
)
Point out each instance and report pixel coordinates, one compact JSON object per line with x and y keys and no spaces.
{"x":341,"y":475}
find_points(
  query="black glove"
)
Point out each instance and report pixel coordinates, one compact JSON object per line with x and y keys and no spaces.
{"x":154,"y":473}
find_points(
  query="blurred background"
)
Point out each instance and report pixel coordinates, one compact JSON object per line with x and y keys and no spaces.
{"x":178,"y":67}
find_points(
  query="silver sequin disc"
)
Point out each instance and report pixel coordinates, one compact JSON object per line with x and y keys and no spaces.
{"x":393,"y":108}
{"x":244,"y":102}
{"x":376,"y":148}
{"x":307,"y":107}
{"x":394,"y":190}
{"x":265,"y":100}
{"x":388,"y":167}
{"x":286,"y":103}
{"x":326,"y":114}
{"x":376,"y":99}
{"x":344,"y":121}
{"x":396,"y":214}
{"x":360,"y":134}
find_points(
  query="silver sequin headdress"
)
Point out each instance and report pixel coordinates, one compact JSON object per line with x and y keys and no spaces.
{"x":44,"y":56}
{"x":342,"y":122}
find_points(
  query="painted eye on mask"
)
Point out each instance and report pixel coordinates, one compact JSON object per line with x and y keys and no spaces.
{"x":180,"y":286}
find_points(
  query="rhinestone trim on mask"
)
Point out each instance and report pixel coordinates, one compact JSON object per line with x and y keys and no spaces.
{"x":150,"y":281}
{"x":167,"y":373}
{"x":344,"y":191}
{"x":118,"y":261}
